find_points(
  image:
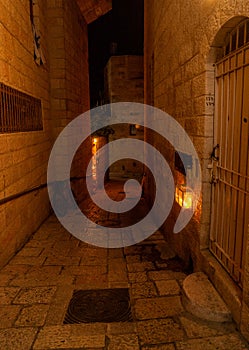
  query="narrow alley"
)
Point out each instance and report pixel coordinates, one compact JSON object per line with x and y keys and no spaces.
{"x":124,"y":174}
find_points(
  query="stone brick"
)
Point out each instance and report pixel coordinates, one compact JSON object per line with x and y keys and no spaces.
{"x":126,"y":342}
{"x":165,"y":275}
{"x":117,"y":270}
{"x":56,"y":260}
{"x":58,"y":307}
{"x":17,"y":338}
{"x":133,"y":259}
{"x":167,"y":331}
{"x":8,"y":315}
{"x":7,"y":295}
{"x":33,"y":315}
{"x":169,"y":287}
{"x":32,"y":251}
{"x":160,"y":307}
{"x":91,"y":282}
{"x":118,"y":328}
{"x":197,"y":329}
{"x":71,"y":336}
{"x":225,"y":342}
{"x":143,"y":290}
{"x":160,"y":347}
{"x":42,"y":276}
{"x":28,"y":260}
{"x":35,"y":295}
{"x":140,"y":266}
{"x":137,"y":277}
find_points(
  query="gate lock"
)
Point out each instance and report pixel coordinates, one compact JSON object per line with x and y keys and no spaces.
{"x":213,"y":165}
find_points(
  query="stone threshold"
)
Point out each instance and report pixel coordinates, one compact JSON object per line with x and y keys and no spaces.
{"x":226,"y":287}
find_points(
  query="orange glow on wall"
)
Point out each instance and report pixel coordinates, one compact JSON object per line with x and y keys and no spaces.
{"x":184,"y":196}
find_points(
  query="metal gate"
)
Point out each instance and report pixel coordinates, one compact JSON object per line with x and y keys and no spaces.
{"x":230,"y":195}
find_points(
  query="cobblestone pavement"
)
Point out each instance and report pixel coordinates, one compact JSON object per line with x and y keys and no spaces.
{"x":37,"y":285}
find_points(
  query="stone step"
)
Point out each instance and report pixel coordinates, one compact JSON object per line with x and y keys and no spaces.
{"x":201,"y":299}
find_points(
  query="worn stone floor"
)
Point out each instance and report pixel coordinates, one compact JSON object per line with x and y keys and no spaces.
{"x":37,"y":285}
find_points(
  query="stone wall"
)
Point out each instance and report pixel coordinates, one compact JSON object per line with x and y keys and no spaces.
{"x":24,"y":155}
{"x":124,"y":79}
{"x":124,"y":83}
{"x":68,"y":53}
{"x":181,"y":46}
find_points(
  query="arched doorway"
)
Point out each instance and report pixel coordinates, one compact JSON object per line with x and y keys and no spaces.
{"x":230,"y":178}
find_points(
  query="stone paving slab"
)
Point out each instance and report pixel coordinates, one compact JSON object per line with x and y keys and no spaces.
{"x":115,"y":253}
{"x":117,"y":273}
{"x":32,"y":315}
{"x":88,"y":270}
{"x":5,"y":279}
{"x":133,"y":250}
{"x":94,"y":252}
{"x":121,"y":328}
{"x":35,"y":243}
{"x":166,"y":275}
{"x":87,"y":260}
{"x":41,"y":295}
{"x":198,"y":329}
{"x":225,"y":342}
{"x":34,"y":276}
{"x":62,"y":246}
{"x":123,"y":342}
{"x":98,"y":284}
{"x":118,"y":284}
{"x":28,"y":260}
{"x":71,"y":336}
{"x":30,"y":251}
{"x":7,"y":294}
{"x":137,"y":277}
{"x":159,"y":347}
{"x":17,"y":338}
{"x":133,"y":259}
{"x":170,"y":287}
{"x":143,"y":290}
{"x":140,"y":266}
{"x":159,"y":331}
{"x":160,"y":307}
{"x":96,"y":281}
{"x":15,"y":270}
{"x":166,"y":251}
{"x":9,"y":272}
{"x":8,"y":315}
{"x":62,"y":260}
{"x":161,"y":265}
{"x":58,"y":307}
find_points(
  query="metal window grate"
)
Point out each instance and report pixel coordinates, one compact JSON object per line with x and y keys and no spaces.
{"x":237,"y":38}
{"x":19,"y":112}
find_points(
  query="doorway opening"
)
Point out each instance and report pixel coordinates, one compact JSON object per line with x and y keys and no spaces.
{"x":230,"y":180}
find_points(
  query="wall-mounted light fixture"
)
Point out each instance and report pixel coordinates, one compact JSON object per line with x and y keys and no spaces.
{"x":133,"y":129}
{"x":184,"y":196}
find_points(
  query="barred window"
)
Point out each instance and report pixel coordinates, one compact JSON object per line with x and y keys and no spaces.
{"x":19,"y":112}
{"x":237,"y":38}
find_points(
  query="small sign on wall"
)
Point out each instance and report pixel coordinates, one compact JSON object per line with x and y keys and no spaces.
{"x":209,"y":102}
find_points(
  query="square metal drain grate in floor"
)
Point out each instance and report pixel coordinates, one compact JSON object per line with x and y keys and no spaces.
{"x":102,"y":305}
